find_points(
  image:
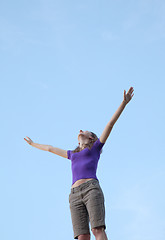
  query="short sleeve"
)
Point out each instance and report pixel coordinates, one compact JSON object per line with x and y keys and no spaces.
{"x":69,"y":154}
{"x":98,"y":145}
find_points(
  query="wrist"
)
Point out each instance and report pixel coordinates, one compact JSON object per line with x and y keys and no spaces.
{"x":125,"y":102}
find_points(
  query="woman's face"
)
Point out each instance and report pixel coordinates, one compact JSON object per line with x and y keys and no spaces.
{"x":84,"y":134}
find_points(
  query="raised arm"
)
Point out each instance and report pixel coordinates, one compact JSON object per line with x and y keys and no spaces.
{"x":127,"y":97}
{"x":49,"y":148}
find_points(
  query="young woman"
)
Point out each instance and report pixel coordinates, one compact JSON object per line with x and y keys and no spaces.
{"x":86,"y":197}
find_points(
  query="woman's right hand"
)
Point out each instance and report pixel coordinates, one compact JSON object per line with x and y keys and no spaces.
{"x":28,"y":140}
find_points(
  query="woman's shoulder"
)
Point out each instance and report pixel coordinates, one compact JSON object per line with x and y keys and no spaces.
{"x":98,"y":144}
{"x":69,"y":153}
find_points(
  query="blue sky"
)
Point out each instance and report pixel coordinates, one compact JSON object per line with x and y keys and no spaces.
{"x":64,"y":67}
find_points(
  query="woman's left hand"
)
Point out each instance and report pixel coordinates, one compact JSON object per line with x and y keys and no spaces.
{"x":128,"y":96}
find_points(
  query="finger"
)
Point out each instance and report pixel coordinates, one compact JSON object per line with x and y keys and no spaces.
{"x":131,"y":96}
{"x":130,"y":90}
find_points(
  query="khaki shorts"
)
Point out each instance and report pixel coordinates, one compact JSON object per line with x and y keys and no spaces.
{"x":87,"y":205}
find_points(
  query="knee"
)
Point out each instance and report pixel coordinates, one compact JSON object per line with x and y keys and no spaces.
{"x":97,"y":231}
{"x":84,"y":237}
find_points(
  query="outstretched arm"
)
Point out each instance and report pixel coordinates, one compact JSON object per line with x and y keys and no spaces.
{"x":49,"y":148}
{"x":127,"y":97}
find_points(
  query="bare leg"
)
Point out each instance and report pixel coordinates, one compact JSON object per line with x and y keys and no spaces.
{"x":99,"y":233}
{"x":84,"y":237}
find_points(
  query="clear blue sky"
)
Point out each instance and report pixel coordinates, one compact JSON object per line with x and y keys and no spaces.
{"x":64,"y":67}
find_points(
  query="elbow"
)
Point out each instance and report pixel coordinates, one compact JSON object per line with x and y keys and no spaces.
{"x":49,"y":149}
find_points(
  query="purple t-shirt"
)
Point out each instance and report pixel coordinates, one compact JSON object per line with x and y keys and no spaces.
{"x":84,"y":163}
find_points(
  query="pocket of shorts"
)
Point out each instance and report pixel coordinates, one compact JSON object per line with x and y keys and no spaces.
{"x":93,"y":184}
{"x":98,"y":193}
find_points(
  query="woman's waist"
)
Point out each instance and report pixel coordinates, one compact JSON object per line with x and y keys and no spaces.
{"x":81,"y":181}
{"x":89,"y":182}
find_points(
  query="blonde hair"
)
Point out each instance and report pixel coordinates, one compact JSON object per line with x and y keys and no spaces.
{"x":89,"y":145}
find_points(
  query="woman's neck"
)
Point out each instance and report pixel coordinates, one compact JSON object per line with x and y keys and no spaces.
{"x":83,"y":144}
